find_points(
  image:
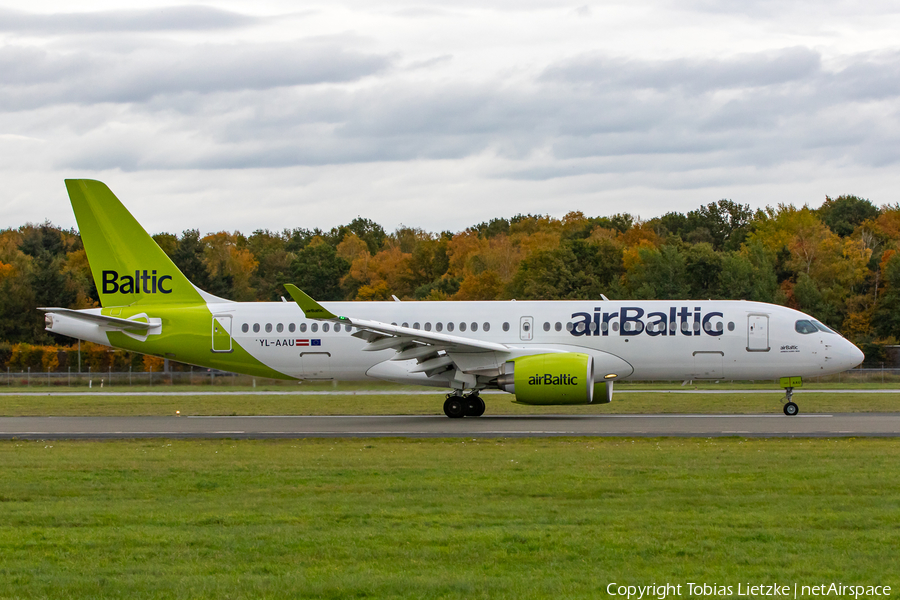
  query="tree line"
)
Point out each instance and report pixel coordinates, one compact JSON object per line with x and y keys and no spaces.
{"x":838,"y":262}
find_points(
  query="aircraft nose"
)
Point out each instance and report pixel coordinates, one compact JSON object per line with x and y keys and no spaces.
{"x":854,"y":355}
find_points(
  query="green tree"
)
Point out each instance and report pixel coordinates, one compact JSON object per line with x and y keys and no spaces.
{"x":318,"y":270}
{"x":703,"y":268}
{"x":749,"y":275}
{"x":887,"y":310}
{"x":188,"y":256}
{"x":658,"y":274}
{"x":576,"y":270}
{"x":845,"y":213}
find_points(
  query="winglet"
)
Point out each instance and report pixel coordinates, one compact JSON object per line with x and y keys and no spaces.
{"x":311,"y":308}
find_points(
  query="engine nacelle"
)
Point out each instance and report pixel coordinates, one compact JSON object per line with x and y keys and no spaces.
{"x":557,"y":378}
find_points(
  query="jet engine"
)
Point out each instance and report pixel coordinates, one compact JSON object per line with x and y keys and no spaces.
{"x":557,"y":378}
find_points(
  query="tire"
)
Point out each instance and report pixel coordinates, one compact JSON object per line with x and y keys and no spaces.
{"x":474,"y":406}
{"x":791,"y":409}
{"x":454,"y":407}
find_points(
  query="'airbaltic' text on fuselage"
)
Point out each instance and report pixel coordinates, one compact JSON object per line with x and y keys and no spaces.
{"x":629,"y":320}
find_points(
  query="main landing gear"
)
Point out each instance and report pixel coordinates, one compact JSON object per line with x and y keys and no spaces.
{"x":790,"y":407}
{"x":457,"y":406}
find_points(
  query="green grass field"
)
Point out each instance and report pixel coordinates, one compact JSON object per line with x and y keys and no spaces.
{"x":524,"y":518}
{"x":403,"y":403}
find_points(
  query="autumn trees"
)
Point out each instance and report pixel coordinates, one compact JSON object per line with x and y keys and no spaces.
{"x":839,"y":262}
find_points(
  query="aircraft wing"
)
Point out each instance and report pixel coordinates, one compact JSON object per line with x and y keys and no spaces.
{"x":435,"y":352}
{"x":112,"y":322}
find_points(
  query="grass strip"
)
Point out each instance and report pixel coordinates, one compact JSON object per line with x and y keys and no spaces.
{"x":524,"y":518}
{"x":409,"y":404}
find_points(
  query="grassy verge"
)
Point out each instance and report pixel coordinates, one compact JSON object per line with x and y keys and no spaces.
{"x":407,"y":404}
{"x":557,"y":518}
{"x":180,"y":382}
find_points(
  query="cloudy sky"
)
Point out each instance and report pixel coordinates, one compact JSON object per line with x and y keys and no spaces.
{"x":272,"y":114}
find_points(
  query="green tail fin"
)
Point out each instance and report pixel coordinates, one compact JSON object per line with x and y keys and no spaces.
{"x":128,"y":266}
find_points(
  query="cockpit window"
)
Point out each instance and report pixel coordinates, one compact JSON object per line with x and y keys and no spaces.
{"x":822,"y":328}
{"x":804,"y":326}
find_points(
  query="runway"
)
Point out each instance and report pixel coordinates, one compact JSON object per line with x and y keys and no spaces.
{"x":766,"y":425}
{"x":98,"y":392}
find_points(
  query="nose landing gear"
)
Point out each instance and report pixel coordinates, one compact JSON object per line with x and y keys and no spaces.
{"x":789,"y":383}
{"x":457,"y":406}
{"x":790,"y":407}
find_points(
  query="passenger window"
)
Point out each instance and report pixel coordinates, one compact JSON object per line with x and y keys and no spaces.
{"x":696,"y":326}
{"x":462,"y":326}
{"x":485,"y":326}
{"x":526,"y":326}
{"x":558,"y":326}
{"x":314,"y":327}
{"x":546,"y":326}
{"x":592,"y":326}
{"x":474,"y":326}
{"x":268,"y":328}
{"x":256,"y":328}
{"x":279,"y":328}
{"x":506,"y":327}
{"x":405,"y":325}
{"x":803,"y":326}
{"x":450,"y":326}
{"x":438,"y":326}
{"x":579,"y":328}
{"x":730,"y":326}
{"x":604,"y":326}
{"x":245,"y":328}
{"x":415,"y":325}
{"x":673,"y":327}
{"x":292,"y":327}
{"x":325,"y":327}
{"x":570,"y":326}
{"x":615,"y":326}
{"x":302,"y":327}
{"x":427,"y":326}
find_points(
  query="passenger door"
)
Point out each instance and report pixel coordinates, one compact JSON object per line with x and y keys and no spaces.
{"x":221,"y":333}
{"x":757,"y":333}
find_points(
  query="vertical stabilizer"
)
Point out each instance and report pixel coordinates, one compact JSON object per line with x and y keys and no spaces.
{"x":127,"y":265}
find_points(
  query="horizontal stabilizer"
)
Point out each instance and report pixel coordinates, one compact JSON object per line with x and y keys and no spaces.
{"x":111,"y":322}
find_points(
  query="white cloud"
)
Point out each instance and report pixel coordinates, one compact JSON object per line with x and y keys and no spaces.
{"x":439,"y":118}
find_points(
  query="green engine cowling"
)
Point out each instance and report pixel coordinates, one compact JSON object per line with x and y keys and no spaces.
{"x":558,"y":378}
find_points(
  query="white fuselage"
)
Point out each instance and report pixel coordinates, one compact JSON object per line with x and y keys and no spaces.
{"x":646,"y":340}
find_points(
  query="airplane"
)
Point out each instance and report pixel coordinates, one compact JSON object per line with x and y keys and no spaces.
{"x":541,"y":352}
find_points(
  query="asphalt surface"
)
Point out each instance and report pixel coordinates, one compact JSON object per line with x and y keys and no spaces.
{"x":767,"y":425}
{"x":120,"y":392}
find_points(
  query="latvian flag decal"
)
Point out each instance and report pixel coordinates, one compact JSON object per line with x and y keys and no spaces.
{"x":309,"y":342}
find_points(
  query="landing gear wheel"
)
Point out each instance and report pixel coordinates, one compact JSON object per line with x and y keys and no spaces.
{"x":474,"y":405}
{"x":454,"y":407}
{"x":791,"y":409}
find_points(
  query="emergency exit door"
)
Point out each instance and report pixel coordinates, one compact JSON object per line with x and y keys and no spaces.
{"x":526,"y":326}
